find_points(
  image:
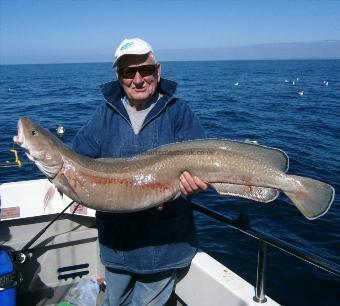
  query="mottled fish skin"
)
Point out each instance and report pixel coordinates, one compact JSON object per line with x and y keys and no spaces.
{"x":149,"y":179}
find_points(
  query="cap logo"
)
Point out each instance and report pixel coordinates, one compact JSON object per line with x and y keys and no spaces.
{"x":127,"y":45}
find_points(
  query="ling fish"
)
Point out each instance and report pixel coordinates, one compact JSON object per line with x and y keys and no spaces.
{"x":149,"y":179}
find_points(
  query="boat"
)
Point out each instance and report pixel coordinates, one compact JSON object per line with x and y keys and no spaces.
{"x":54,"y":248}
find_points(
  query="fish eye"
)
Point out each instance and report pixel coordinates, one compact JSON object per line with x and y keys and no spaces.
{"x":34,"y":132}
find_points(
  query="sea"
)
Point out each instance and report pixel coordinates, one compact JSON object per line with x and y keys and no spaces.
{"x":293,"y":105}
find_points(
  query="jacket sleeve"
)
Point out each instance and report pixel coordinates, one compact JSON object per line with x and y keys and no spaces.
{"x":86,"y":141}
{"x":187,"y":125}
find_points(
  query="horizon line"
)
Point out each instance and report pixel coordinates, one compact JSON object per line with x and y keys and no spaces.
{"x":253,"y":52}
{"x":184,"y":60}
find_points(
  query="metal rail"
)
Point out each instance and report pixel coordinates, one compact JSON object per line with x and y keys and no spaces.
{"x":241,"y":224}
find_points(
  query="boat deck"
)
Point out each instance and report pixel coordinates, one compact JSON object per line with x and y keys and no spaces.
{"x":68,"y":252}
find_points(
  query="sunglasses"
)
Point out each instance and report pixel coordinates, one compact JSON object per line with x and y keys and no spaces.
{"x":130,"y":72}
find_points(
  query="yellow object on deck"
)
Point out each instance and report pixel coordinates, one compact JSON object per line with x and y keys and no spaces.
{"x":17,"y":160}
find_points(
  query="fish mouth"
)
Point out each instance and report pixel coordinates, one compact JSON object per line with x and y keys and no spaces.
{"x":19,"y":139}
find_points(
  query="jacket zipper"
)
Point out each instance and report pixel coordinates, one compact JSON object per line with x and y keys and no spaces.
{"x":165,"y":105}
{"x":127,"y":120}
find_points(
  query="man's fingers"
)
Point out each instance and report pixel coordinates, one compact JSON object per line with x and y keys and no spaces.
{"x":181,"y":187}
{"x":186,"y":183}
{"x":190,"y":184}
{"x":190,"y":180}
{"x":201,"y":184}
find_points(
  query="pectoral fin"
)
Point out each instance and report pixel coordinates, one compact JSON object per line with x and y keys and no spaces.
{"x":49,"y":196}
{"x":62,"y":184}
{"x":260,"y":194}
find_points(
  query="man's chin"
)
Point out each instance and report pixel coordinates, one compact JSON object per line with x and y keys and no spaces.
{"x":141,"y":97}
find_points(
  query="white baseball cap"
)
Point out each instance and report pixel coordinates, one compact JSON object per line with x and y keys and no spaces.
{"x":131,"y":46}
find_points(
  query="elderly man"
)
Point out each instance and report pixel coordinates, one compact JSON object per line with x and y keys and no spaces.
{"x":142,"y":251}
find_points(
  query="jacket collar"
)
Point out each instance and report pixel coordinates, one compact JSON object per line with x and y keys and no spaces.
{"x":113,"y":92}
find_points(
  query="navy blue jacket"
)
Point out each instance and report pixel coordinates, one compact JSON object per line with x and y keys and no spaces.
{"x":152,"y":240}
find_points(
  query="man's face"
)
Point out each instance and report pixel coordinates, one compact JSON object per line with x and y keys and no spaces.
{"x":138,"y":88}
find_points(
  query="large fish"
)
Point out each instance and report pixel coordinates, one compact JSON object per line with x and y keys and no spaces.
{"x":149,"y":179}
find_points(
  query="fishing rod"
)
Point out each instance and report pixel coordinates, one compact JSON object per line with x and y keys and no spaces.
{"x":22,"y":256}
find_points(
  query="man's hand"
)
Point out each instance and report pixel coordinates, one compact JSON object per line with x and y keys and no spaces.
{"x":191,"y":184}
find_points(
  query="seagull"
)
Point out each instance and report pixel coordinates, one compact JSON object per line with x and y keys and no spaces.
{"x":293,"y":83}
{"x":60,"y":130}
{"x":300,"y":93}
{"x":251,"y":141}
{"x":236,"y":84}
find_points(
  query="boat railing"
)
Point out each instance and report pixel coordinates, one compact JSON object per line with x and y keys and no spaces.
{"x":242,"y":225}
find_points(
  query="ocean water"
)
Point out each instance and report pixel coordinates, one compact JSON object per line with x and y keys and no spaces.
{"x":256,"y":100}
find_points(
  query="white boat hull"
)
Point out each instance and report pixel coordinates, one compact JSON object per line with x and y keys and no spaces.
{"x":68,"y":250}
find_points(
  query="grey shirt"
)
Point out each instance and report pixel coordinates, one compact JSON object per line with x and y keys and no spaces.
{"x":137,"y":117}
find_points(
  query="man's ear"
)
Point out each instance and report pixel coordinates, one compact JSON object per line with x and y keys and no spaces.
{"x":158,"y":72}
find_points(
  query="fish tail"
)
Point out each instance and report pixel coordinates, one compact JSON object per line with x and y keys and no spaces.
{"x":313,"y":198}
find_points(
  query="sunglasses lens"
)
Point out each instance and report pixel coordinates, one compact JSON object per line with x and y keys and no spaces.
{"x":130,"y":72}
{"x":146,"y":70}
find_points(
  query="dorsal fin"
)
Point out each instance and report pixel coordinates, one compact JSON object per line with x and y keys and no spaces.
{"x":270,"y":156}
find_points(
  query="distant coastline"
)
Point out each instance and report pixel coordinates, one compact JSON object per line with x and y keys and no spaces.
{"x":329,"y":49}
{"x":320,"y":50}
{"x":184,"y":60}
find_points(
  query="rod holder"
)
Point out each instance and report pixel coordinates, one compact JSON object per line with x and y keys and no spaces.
{"x":261,"y":273}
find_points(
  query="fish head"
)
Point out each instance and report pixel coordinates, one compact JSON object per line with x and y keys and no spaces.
{"x":41,"y":146}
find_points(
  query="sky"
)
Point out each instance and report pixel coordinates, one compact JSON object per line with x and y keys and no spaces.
{"x":57,"y":31}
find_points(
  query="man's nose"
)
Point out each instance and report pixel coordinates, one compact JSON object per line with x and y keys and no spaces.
{"x":138,"y":78}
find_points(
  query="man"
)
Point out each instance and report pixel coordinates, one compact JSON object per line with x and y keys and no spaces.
{"x":142,"y":251}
